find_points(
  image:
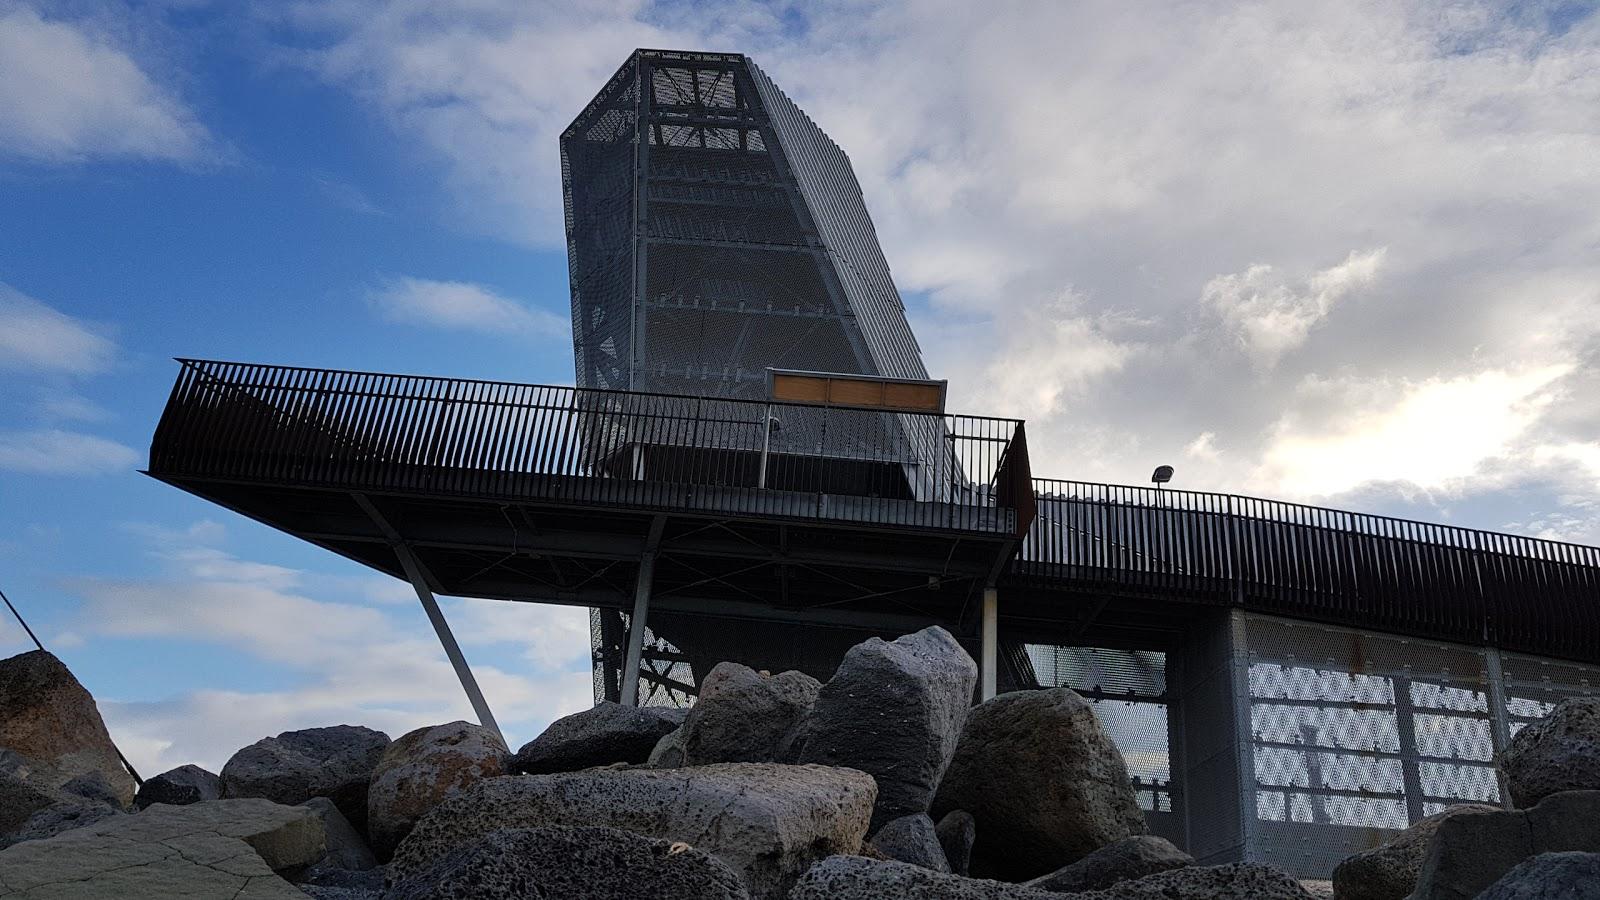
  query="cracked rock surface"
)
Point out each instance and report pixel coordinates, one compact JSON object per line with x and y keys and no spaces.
{"x":218,"y":849}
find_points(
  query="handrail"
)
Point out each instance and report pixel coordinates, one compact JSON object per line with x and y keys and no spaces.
{"x":381,"y":431}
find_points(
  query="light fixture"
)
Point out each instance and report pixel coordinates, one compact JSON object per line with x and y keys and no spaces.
{"x":1161,"y":475}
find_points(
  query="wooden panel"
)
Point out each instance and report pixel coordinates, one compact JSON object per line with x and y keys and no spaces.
{"x":800,"y":388}
{"x":911,"y":395}
{"x":848,"y":392}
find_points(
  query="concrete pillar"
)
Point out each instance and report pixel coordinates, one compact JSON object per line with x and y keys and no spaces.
{"x":989,"y":665}
{"x":636,"y":626}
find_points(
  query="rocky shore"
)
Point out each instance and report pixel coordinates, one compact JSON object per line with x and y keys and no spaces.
{"x":884,"y":782}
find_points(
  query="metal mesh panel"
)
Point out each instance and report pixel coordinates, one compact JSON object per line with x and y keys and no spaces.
{"x":1357,"y":735}
{"x":1128,"y":692}
{"x":1533,"y":686}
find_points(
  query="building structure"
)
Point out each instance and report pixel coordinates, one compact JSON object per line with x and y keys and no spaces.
{"x":1287,"y":682}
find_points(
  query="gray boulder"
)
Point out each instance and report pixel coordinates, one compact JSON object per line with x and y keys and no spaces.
{"x":743,"y":715}
{"x":1234,"y":881}
{"x":330,"y":883}
{"x":346,"y":848}
{"x":59,"y":817}
{"x":859,"y":878}
{"x":422,"y":768}
{"x":768,"y":822}
{"x":1468,"y":853}
{"x":179,"y":787}
{"x":912,"y":839}
{"x":1389,"y":871}
{"x":957,"y":831}
{"x":558,"y":861}
{"x":1045,"y":784}
{"x":1550,"y":876}
{"x":52,"y":725}
{"x":220,"y":848}
{"x":92,"y":788}
{"x":20,"y":799}
{"x":894,"y":709}
{"x":1124,"y":860}
{"x":668,"y":752}
{"x":1560,"y":752}
{"x":334,"y":762}
{"x":604,"y":734}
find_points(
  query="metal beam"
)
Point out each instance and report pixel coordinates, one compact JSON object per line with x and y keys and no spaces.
{"x":641,"y":613}
{"x":430,"y":605}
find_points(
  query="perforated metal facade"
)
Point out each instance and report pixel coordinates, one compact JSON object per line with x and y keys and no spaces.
{"x":713,"y":231}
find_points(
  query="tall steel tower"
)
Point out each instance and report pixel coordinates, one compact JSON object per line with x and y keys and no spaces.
{"x":713,"y":232}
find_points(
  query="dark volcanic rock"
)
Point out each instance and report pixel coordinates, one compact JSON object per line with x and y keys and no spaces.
{"x":422,"y":768}
{"x":1044,"y":782}
{"x":605,"y":734}
{"x":743,"y":715}
{"x":769,"y":822}
{"x":859,"y":878}
{"x":334,"y":762}
{"x":912,"y":839}
{"x":19,"y":800}
{"x":1124,"y":860}
{"x":1550,"y":876}
{"x":1389,"y":871}
{"x":558,"y":862}
{"x":1468,"y":853}
{"x":1560,"y":752}
{"x":894,"y":709}
{"x":57,"y":818}
{"x":180,"y":787}
{"x":346,"y":848}
{"x":1234,"y":881}
{"x":957,"y":831}
{"x":51,"y":722}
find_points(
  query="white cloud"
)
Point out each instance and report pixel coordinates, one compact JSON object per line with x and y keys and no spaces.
{"x":345,"y":660}
{"x":1433,"y":435}
{"x":1203,"y":447}
{"x":1269,"y":317}
{"x":35,"y":338}
{"x":464,"y":306}
{"x":68,"y":95}
{"x":52,"y":451}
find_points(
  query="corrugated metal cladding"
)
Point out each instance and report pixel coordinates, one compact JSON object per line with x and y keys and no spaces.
{"x":726,"y":236}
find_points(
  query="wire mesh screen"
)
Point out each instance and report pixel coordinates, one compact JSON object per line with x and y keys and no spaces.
{"x":1534,"y":685}
{"x":1128,"y":692}
{"x":1356,"y":735}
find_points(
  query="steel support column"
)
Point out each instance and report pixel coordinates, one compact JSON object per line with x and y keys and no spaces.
{"x":448,"y":639}
{"x":989,"y":665}
{"x":641,"y":615}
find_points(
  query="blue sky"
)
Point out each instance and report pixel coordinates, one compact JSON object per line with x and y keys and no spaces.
{"x":1345,"y":254}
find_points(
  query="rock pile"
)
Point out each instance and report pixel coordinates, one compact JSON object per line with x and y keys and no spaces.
{"x":884,"y":782}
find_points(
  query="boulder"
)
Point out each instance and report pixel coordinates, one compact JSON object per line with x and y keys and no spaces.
{"x":768,"y":822}
{"x":1234,"y":881}
{"x":1124,"y":860}
{"x":1389,"y":871}
{"x":20,"y":799}
{"x":1043,"y":781}
{"x":57,"y":818}
{"x":859,"y":878}
{"x":912,"y":839}
{"x":957,"y":831}
{"x":50,"y":721}
{"x":604,"y":734}
{"x":346,"y":848}
{"x":559,"y":861}
{"x":743,"y":715}
{"x":668,"y":752}
{"x":219,"y":848}
{"x":1549,"y":876}
{"x":179,"y":787}
{"x":421,"y":769}
{"x":894,"y":710}
{"x":334,"y":762}
{"x":1468,"y":853}
{"x":1560,"y":752}
{"x":328,"y":883}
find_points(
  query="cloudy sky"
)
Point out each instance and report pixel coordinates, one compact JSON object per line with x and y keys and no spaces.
{"x":1340,"y":252}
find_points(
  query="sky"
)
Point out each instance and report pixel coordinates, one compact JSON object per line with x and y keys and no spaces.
{"x":1345,"y":253}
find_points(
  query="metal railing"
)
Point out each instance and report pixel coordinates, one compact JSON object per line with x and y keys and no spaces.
{"x":362,"y":430}
{"x":1274,"y":556}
